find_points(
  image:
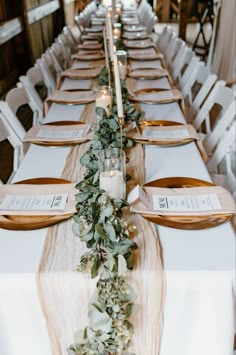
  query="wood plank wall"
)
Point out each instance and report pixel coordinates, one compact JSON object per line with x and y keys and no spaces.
{"x":27,"y":29}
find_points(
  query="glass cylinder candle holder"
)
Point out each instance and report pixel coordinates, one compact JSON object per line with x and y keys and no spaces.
{"x":117,"y":30}
{"x":103,"y":98}
{"x":122,"y":63}
{"x":112,"y":172}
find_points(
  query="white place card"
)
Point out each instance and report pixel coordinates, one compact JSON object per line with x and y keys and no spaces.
{"x":59,"y":134}
{"x":138,"y":194}
{"x":187,"y":203}
{"x":34,"y":202}
{"x":166,"y":134}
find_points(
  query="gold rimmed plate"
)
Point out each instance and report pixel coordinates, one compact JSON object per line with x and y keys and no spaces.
{"x":63,"y":143}
{"x":24,"y":222}
{"x":136,"y":134}
{"x":189,"y":222}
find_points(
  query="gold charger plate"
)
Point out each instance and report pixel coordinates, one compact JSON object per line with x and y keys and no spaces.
{"x":184,"y":222}
{"x":160,"y":143}
{"x":62,"y":143}
{"x":34,"y":222}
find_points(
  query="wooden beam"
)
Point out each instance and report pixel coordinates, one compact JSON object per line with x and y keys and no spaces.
{"x":40,"y":12}
{"x":10,"y":29}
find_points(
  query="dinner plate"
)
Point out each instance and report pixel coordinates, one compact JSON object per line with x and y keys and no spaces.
{"x":158,"y":143}
{"x":34,"y":222}
{"x":62,"y":143}
{"x":184,"y":222}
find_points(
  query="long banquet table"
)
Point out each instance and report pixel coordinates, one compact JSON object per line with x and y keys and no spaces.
{"x":199,"y":265}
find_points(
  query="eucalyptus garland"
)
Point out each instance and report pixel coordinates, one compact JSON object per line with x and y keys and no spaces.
{"x":99,"y":223}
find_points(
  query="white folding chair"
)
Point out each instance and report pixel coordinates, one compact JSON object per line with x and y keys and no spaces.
{"x":70,"y":40}
{"x":181,"y":62}
{"x":33,"y":79}
{"x":164,"y":38}
{"x":223,"y":97}
{"x":53,"y":64}
{"x":61,"y":51}
{"x":6,"y":133}
{"x":197,"y":88}
{"x":173,"y":47}
{"x":151,"y":23}
{"x":12,"y":120}
{"x":221,"y":164}
{"x":49,"y":80}
{"x":79,"y":21}
{"x":183,"y":80}
{"x":18,"y":97}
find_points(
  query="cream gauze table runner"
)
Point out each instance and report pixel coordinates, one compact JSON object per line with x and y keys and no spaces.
{"x":64,"y":293}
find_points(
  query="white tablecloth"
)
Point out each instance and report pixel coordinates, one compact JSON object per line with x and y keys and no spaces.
{"x":199,"y":310}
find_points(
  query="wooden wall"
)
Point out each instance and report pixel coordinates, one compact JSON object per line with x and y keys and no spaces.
{"x":27,"y":29}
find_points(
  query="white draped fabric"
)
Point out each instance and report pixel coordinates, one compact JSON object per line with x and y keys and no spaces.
{"x":224,"y":64}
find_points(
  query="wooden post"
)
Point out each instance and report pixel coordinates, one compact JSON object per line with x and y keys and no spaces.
{"x":183,"y":17}
{"x":165,"y":11}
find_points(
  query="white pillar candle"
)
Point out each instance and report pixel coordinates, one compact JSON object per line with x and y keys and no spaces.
{"x":119,"y":102}
{"x":122,"y":70}
{"x":104,"y":101}
{"x":116,"y":32}
{"x":113,"y":183}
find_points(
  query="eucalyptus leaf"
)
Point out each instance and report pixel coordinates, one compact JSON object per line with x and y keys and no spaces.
{"x":129,"y":310}
{"x":100,"y":320}
{"x":100,"y":231}
{"x":110,"y":230}
{"x":82,"y":196}
{"x":122,"y":267}
{"x":95,"y":267}
{"x":75,"y":228}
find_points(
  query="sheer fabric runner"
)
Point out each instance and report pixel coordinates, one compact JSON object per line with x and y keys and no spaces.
{"x":64,"y":293}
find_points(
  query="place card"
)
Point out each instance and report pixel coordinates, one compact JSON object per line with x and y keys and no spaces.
{"x":34,"y":202}
{"x":139,"y":194}
{"x":187,"y":203}
{"x":59,"y":134}
{"x":166,"y":134}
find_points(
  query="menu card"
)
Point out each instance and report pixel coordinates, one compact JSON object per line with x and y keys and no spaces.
{"x":56,"y":134}
{"x":193,"y":203}
{"x":34,"y":202}
{"x":166,"y":134}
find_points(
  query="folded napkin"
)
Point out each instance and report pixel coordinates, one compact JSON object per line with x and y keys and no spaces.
{"x":178,"y":134}
{"x":88,"y":55}
{"x":94,"y":29}
{"x":81,"y":64}
{"x":157,"y":96}
{"x":146,"y":43}
{"x":142,"y":51}
{"x":90,"y":46}
{"x":29,"y":195}
{"x":90,"y":36}
{"x":77,"y":74}
{"x":134,"y":28}
{"x":149,"y":74}
{"x":151,"y":64}
{"x":76,"y":85}
{"x":67,"y":98}
{"x":61,"y":133}
{"x":130,"y":21}
{"x":135,"y":35}
{"x":195,"y":201}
